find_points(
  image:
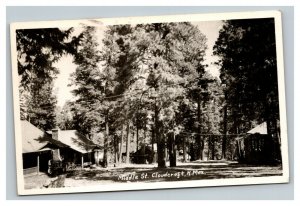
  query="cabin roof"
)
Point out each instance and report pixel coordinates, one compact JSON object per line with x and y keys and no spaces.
{"x":35,"y":140}
{"x":75,"y":140}
{"x":31,"y":136}
{"x":260,"y":129}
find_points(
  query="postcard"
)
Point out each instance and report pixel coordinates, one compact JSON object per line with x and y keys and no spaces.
{"x":153,"y":102}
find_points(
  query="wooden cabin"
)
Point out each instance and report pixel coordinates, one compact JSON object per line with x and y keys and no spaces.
{"x":256,"y":147}
{"x":38,"y":147}
{"x":80,"y":149}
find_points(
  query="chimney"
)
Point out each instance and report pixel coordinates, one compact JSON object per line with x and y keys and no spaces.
{"x":55,"y":152}
{"x":55,"y":133}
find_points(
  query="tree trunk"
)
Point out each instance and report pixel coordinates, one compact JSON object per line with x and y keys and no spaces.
{"x":121,"y":145}
{"x":184,"y":149}
{"x":152,"y":142}
{"x":161,"y":157}
{"x":105,"y":162}
{"x":127,"y":142}
{"x":116,"y":144}
{"x":143,"y":146}
{"x":152,"y":138}
{"x":202,"y":147}
{"x":199,"y":141}
{"x":213,"y":148}
{"x":271,"y":122}
{"x":137,"y":136}
{"x":172,"y":149}
{"x":224,"y":144}
{"x":192,"y":152}
{"x":209,"y":148}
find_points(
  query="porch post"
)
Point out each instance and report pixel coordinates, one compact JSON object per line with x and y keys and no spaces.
{"x":90,"y":157}
{"x":38,"y":163}
{"x":82,"y":161}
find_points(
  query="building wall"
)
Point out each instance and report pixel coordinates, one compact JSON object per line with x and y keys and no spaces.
{"x":30,"y":160}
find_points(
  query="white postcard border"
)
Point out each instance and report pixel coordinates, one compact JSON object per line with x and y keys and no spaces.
{"x":153,"y":19}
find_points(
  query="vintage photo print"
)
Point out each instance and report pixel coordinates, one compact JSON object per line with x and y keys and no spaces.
{"x":149,"y":102}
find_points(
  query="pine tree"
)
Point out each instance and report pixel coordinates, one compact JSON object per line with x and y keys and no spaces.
{"x":37,"y":50}
{"x":172,"y":53}
{"x":90,"y":109}
{"x":120,"y":68}
{"x":248,"y":69}
{"x":40,"y":105}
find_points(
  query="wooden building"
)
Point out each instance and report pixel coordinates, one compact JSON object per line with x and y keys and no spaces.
{"x":80,"y":150}
{"x":257,"y":146}
{"x":38,"y":147}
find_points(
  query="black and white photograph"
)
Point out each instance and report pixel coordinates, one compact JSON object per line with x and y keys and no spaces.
{"x":149,"y":102}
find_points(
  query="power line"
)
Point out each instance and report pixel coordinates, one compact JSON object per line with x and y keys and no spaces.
{"x":119,"y":95}
{"x":207,"y":134}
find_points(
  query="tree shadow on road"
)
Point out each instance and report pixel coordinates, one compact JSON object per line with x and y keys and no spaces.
{"x":187,"y":171}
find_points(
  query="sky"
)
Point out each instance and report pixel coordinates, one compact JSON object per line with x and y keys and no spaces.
{"x":211,"y":30}
{"x":66,"y":66}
